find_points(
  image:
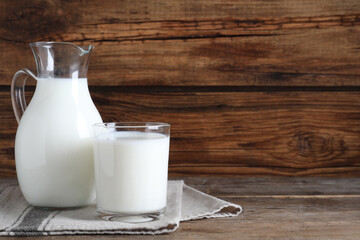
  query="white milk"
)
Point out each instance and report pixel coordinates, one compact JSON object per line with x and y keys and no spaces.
{"x":131,"y":171}
{"x":53,"y":147}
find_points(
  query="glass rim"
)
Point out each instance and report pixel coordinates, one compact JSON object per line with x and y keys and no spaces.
{"x":131,"y":124}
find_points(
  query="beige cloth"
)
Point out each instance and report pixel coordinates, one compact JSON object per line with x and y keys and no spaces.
{"x":18,"y":218}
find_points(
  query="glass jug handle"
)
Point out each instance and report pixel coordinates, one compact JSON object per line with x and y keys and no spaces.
{"x":18,"y":91}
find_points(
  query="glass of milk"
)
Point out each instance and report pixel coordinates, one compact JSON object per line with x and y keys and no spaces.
{"x":131,"y":169}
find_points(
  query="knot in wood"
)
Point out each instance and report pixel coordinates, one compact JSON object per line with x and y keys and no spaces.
{"x":310,"y":144}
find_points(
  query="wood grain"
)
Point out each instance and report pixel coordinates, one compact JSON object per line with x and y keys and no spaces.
{"x":273,"y":208}
{"x":298,"y":133}
{"x":236,"y":133}
{"x":182,"y":43}
{"x":250,"y":87}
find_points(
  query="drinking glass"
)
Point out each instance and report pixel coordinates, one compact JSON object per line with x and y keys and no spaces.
{"x":131,"y":170}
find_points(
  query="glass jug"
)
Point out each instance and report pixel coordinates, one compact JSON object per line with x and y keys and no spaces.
{"x":53,"y":145}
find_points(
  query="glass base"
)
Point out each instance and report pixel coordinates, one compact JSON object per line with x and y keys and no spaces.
{"x":131,"y":217}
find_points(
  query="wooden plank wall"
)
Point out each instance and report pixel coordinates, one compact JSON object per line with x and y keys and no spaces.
{"x":250,"y":87}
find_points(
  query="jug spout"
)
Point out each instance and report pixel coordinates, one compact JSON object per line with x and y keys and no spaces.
{"x":61,"y":59}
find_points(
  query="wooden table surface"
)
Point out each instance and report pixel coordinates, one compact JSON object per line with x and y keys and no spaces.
{"x":273,"y":208}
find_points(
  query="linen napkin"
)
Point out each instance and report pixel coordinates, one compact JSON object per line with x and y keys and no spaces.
{"x":18,"y":218}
